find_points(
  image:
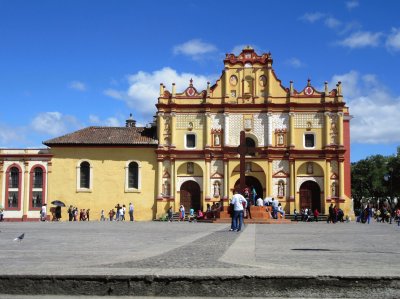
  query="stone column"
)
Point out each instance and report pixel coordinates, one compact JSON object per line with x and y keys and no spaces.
{"x":173,"y":184}
{"x":159,"y":179}
{"x":207,"y":131}
{"x":25,"y":194}
{"x":160,"y":128}
{"x":327,"y":128}
{"x":291,"y":130}
{"x":173,"y":129}
{"x":269,"y":179}
{"x":341,"y":179}
{"x":206,"y":182}
{"x":269,"y":129}
{"x":327,"y":180}
{"x":292,"y":194}
{"x":340,"y":128}
{"x":226,"y":129}
{"x":227,"y":91}
{"x":226,"y":176}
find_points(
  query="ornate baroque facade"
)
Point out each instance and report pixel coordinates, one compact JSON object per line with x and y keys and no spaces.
{"x":300,"y":141}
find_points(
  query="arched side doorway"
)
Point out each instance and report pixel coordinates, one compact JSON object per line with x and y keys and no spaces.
{"x":310,"y":196}
{"x":252,"y":181}
{"x":190,"y":195}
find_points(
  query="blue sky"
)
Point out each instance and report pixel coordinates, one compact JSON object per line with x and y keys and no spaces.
{"x":65,"y":65}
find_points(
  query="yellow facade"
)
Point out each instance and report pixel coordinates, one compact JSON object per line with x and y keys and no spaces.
{"x":108,"y":179}
{"x":250,"y":97}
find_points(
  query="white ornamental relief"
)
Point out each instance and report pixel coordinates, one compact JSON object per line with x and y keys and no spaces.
{"x":217,"y":121}
{"x":181,"y":180}
{"x":280,"y":165}
{"x":302,"y":120}
{"x":334,"y":167}
{"x":300,"y":180}
{"x":235,"y":126}
{"x":183,"y":121}
{"x":217,"y":166}
{"x":260,"y":128}
{"x":279,"y":121}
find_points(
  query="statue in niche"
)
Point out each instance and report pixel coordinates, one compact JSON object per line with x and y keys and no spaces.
{"x":166,"y":188}
{"x":217,"y":140}
{"x":280,"y":139}
{"x":333,"y":133}
{"x":310,"y":168}
{"x":190,"y":168}
{"x":281,"y":189}
{"x":217,"y":190}
{"x":333,"y":189}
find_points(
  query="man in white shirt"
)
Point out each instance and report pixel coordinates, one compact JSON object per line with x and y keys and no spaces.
{"x":260,"y":202}
{"x":239,"y":204}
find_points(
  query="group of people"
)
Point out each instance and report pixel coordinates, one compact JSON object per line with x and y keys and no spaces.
{"x":382,"y":214}
{"x":119,"y":213}
{"x":306,"y":215}
{"x":74,"y":214}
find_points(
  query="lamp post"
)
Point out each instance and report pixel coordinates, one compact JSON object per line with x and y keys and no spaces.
{"x":387,"y":177}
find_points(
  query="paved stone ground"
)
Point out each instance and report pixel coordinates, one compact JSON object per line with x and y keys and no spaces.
{"x":304,"y":253}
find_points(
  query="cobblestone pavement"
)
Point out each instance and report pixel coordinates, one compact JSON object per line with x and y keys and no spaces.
{"x":162,"y":259}
{"x":200,"y":249}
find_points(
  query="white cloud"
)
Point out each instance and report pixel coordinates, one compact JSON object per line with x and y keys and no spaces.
{"x":393,"y":40}
{"x":77,"y":85}
{"x":332,"y":23}
{"x":312,"y":17}
{"x":108,"y":122}
{"x":374,"y":109}
{"x":54,"y":123}
{"x":294,"y":62}
{"x":144,"y":88}
{"x":361,"y":39}
{"x":114,"y":94}
{"x":10,"y":135}
{"x":352,"y":4}
{"x":194,"y":48}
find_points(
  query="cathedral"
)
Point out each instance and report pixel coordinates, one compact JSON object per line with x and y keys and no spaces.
{"x":297,"y":151}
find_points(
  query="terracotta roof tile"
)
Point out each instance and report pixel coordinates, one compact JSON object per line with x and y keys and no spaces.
{"x":106,"y":136}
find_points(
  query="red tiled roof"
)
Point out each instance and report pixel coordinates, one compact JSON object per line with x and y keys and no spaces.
{"x":106,"y":136}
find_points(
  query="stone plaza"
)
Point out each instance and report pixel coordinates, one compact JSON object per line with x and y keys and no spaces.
{"x":201,"y":259}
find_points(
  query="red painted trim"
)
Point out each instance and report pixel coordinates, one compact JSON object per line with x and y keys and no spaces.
{"x":20,"y":183}
{"x":322,"y":107}
{"x":31,"y":174}
{"x":26,"y":155}
{"x":103,"y":145}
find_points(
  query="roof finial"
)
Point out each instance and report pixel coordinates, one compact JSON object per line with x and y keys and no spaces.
{"x":308,"y":82}
{"x":191,"y":82}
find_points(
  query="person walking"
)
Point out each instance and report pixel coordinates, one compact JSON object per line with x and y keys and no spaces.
{"x":182,"y":213}
{"x":239,"y":204}
{"x":131,"y":210}
{"x":43,"y":212}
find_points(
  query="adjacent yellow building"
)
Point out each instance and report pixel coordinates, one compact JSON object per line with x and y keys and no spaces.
{"x":299,"y":141}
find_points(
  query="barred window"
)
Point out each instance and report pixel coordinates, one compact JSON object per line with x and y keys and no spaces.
{"x":85,"y":175}
{"x":133,"y":175}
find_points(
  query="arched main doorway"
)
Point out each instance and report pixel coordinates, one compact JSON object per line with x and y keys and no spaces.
{"x":252,"y":181}
{"x":310,"y":196}
{"x":190,"y":195}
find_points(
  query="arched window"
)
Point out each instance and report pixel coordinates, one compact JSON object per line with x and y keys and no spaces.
{"x":37,"y":187}
{"x":133,"y":175}
{"x":85,"y":175}
{"x":13,"y":188}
